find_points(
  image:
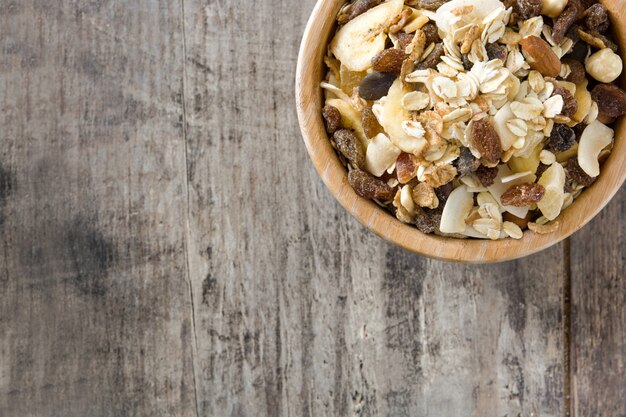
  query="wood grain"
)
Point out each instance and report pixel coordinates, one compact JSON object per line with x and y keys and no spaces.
{"x":299,"y":309}
{"x":95,"y":315}
{"x":167,"y":248}
{"x":598,"y":334}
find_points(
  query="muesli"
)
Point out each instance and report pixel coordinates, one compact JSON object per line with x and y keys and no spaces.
{"x":473,"y":118}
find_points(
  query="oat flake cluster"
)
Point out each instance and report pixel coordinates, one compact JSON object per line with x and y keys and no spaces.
{"x":473,"y":118}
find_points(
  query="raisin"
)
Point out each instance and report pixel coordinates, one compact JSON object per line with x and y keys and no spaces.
{"x":404,"y":39}
{"x":610,"y":98}
{"x":371,"y":127}
{"x":444,"y":192}
{"x":579,"y":52}
{"x":466,"y":163}
{"x":376,"y":85}
{"x":572,"y":33}
{"x":561,"y":139}
{"x":357,"y":8}
{"x":431,"y":33}
{"x":467,"y":64}
{"x":575,"y":172}
{"x":426,"y":222}
{"x":541,"y":169}
{"x":522,"y":223}
{"x":430,"y":4}
{"x":486,"y":176}
{"x":389,"y":60}
{"x":578,"y":72}
{"x":529,"y":8}
{"x":496,"y":51}
{"x":350,"y":147}
{"x":562,"y":24}
{"x":332,"y":119}
{"x":597,"y":18}
{"x":486,"y":140}
{"x":370,"y":187}
{"x":433,"y":58}
{"x":570,"y":104}
{"x":522,"y":195}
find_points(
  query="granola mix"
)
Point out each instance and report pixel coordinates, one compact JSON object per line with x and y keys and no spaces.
{"x":473,"y":118}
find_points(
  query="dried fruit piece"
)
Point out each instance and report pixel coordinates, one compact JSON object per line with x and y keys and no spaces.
{"x":610,"y":98}
{"x":389,"y":60}
{"x":332,"y":119}
{"x":596,"y":39}
{"x":529,"y":8}
{"x":562,"y":138}
{"x":522,"y":195}
{"x":355,"y":44}
{"x":443,"y":192}
{"x":381,"y":154}
{"x":358,"y":7}
{"x":426,"y":221}
{"x":350,"y":147}
{"x":406,"y":167}
{"x":466,"y":163}
{"x":541,"y":57}
{"x":522,"y":223}
{"x":576,"y":173}
{"x":370,"y":187}
{"x":496,"y":51}
{"x":553,"y":181}
{"x":595,"y":138}
{"x":404,"y":39}
{"x":486,"y":140}
{"x":577,"y":70}
{"x":433,"y":58}
{"x":562,"y":24}
{"x":431,"y":5}
{"x":597,"y":17}
{"x":605,"y":66}
{"x":376,"y":85}
{"x":431,"y":33}
{"x":371,"y":127}
{"x":486,"y":175}
{"x":570,"y":105}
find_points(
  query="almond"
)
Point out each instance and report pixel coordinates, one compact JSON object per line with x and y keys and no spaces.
{"x":541,"y":57}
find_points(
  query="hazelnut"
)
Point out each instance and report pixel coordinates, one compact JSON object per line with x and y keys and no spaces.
{"x":553,"y":8}
{"x":605,"y":65}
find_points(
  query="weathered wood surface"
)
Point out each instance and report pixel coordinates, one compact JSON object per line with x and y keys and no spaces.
{"x":167,"y":248}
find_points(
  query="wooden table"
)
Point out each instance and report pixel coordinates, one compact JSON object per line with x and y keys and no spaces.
{"x":168,"y":250}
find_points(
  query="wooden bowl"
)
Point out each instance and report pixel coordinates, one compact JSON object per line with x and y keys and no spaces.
{"x":309,"y":74}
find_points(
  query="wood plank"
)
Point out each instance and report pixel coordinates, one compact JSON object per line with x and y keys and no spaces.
{"x":598,"y":330}
{"x":300,"y":310}
{"x":95,"y":314}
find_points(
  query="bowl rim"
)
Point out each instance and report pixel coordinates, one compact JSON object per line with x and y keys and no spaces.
{"x":309,"y":73}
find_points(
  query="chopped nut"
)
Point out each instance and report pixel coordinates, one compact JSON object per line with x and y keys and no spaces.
{"x":424,"y":196}
{"x":544,"y":229}
{"x":541,"y":57}
{"x":441,"y":176}
{"x":605,"y":66}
